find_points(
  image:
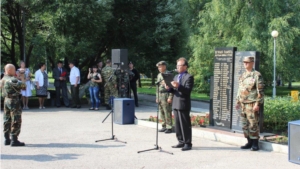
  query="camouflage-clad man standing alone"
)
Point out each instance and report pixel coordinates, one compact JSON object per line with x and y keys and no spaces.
{"x":164,"y":100}
{"x":110,"y":83}
{"x":12,"y":116}
{"x":250,"y":97}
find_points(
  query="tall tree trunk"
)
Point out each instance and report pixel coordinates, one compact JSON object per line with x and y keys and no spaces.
{"x":290,"y":84}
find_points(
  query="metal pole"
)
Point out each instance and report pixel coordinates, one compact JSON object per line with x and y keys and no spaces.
{"x":23,"y":25}
{"x":274,"y":83}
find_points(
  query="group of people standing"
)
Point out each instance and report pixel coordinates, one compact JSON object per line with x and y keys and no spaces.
{"x":104,"y":80}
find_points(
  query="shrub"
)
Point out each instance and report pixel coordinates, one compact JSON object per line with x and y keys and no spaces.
{"x":278,"y":112}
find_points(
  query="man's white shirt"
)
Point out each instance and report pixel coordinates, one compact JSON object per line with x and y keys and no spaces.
{"x":74,"y":74}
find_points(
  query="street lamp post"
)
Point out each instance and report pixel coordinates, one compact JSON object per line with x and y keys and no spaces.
{"x":274,"y":34}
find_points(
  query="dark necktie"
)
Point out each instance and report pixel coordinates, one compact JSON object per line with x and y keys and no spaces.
{"x":179,"y":78}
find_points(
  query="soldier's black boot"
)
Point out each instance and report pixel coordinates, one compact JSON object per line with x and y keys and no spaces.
{"x":15,"y":141}
{"x":248,"y":145}
{"x":255,"y":145}
{"x":108,"y":107}
{"x":7,"y":139}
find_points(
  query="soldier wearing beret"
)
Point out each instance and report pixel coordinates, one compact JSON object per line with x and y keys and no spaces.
{"x":164,"y":99}
{"x":249,"y":98}
{"x":12,"y":116}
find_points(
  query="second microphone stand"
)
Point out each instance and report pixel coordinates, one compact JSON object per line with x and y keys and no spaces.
{"x":156,"y":147}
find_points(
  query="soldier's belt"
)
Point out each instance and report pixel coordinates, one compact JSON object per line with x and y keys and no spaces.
{"x":163,"y":91}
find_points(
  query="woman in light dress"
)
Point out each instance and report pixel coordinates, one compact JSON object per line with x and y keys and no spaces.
{"x":24,"y":75}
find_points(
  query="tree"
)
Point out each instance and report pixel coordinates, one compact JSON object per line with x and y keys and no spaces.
{"x":246,"y":25}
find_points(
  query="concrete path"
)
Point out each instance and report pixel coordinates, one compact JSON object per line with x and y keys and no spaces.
{"x":64,"y":138}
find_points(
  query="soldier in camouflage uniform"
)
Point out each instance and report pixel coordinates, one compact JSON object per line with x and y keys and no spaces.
{"x":12,"y":116}
{"x":123,"y":83}
{"x":110,"y":84}
{"x":250,"y":97}
{"x":164,"y":100}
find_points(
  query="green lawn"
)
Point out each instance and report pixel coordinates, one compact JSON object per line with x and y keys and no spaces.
{"x":280,"y":90}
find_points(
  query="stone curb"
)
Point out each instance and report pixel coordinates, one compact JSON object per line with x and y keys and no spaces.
{"x":228,"y":139}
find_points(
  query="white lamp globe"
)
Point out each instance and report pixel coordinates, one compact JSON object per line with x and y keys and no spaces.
{"x":274,"y":34}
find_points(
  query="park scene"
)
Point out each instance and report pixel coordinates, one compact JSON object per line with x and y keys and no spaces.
{"x":91,"y":71}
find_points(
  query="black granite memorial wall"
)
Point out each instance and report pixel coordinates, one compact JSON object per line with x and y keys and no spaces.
{"x":222,"y":89}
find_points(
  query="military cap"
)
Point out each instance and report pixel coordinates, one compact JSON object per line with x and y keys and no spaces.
{"x":130,"y":63}
{"x":108,"y":61}
{"x":248,"y":59}
{"x":161,"y":63}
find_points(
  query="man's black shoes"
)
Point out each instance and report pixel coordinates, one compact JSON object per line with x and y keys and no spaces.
{"x":248,"y":145}
{"x":74,"y":107}
{"x":168,"y":131}
{"x":15,"y":142}
{"x":186,"y":147}
{"x":108,"y":107}
{"x":7,"y":139}
{"x":78,"y":107}
{"x":179,"y":145}
{"x":162,"y":130}
{"x":255,"y":145}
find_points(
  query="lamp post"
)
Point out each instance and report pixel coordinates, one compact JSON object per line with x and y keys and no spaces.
{"x":274,"y":35}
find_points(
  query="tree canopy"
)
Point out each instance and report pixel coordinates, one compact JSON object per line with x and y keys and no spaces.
{"x":151,"y":30}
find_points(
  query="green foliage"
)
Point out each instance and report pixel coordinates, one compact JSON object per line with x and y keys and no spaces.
{"x":248,"y":26}
{"x":278,"y":112}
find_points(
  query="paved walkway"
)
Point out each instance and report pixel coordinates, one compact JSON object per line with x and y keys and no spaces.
{"x":65,"y":138}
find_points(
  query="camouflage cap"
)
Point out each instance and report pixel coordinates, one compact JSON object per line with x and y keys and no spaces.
{"x":161,"y":63}
{"x":248,"y":59}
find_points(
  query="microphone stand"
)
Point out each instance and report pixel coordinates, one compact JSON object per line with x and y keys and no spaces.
{"x":156,"y":147}
{"x":112,"y":125}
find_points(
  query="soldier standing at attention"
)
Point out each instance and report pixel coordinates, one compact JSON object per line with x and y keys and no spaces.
{"x":164,"y":99}
{"x":12,"y":116}
{"x":110,"y":83}
{"x":250,"y":97}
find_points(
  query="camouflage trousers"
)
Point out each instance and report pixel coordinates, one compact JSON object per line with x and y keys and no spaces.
{"x":250,"y":120}
{"x":109,"y":90}
{"x":12,"y":116}
{"x":165,"y":111}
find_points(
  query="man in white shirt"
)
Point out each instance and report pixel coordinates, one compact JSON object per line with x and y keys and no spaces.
{"x":75,"y":82}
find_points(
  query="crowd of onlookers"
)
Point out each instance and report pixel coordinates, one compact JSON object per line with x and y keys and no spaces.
{"x":61,"y":77}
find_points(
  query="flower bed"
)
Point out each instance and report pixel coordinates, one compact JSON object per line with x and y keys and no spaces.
{"x":196,"y":120}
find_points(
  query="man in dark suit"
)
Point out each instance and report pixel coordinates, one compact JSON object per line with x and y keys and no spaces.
{"x":133,"y":79}
{"x":60,"y":83}
{"x":181,"y":88}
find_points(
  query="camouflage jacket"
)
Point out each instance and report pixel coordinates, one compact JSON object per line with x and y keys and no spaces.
{"x":251,"y":88}
{"x":107,"y":71}
{"x":161,"y":89}
{"x":122,"y":77}
{"x":11,"y":87}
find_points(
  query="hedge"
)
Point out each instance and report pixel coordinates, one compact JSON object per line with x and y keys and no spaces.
{"x":278,"y":112}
